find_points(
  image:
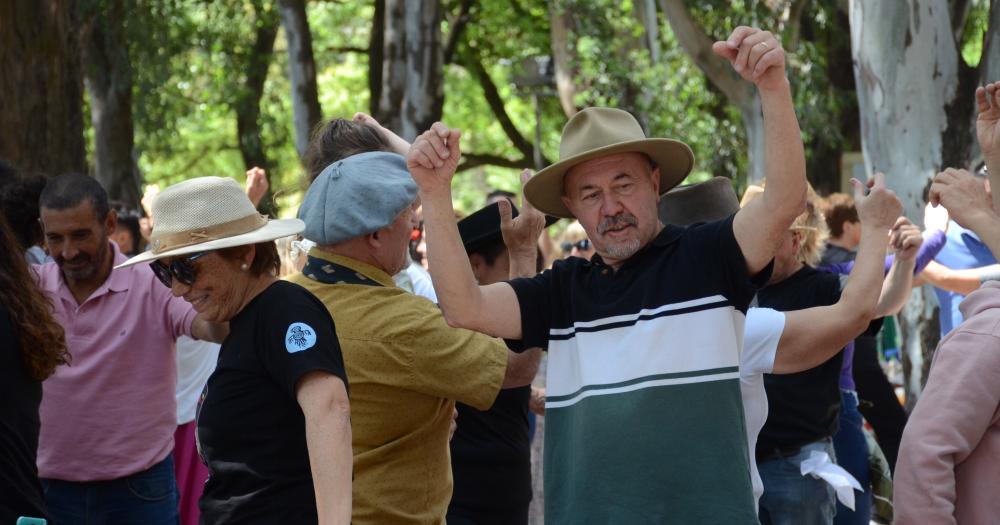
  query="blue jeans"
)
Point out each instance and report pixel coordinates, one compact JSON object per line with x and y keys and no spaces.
{"x":793,"y":499}
{"x":148,"y":497}
{"x":852,"y":454}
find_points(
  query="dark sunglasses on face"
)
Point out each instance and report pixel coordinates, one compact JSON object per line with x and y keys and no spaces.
{"x":181,"y":269}
{"x":581,"y":245}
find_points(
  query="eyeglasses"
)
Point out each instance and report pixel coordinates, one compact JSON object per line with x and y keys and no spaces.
{"x":581,"y":245}
{"x":181,"y":269}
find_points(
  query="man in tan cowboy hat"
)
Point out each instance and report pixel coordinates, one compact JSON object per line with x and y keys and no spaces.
{"x":644,"y":415}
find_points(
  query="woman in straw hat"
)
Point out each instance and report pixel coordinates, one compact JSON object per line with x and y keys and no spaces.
{"x":273,"y":425}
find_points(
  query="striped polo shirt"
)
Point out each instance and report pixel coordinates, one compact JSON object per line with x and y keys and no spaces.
{"x":644,"y":419}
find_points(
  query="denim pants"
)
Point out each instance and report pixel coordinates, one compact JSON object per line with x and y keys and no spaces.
{"x":793,"y":499}
{"x":148,"y":497}
{"x":852,"y":455}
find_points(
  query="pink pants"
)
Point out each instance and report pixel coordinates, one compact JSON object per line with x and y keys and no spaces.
{"x":190,"y":471}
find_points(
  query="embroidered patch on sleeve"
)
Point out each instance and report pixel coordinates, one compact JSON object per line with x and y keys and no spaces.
{"x":299,"y":337}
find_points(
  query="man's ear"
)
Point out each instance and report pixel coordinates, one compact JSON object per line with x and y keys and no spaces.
{"x":111,"y":222}
{"x":477,"y":263}
{"x":655,"y":174}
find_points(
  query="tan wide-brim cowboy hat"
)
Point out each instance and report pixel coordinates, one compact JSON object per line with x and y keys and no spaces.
{"x":208,"y":213}
{"x":596,"y":132}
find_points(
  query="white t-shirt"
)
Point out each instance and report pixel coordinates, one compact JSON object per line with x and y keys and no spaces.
{"x":761,"y":334}
{"x":415,"y":279}
{"x":195,"y":363}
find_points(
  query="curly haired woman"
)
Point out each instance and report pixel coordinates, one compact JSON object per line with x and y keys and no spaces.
{"x":32,"y":345}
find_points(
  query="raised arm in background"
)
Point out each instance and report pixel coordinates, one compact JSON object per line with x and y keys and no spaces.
{"x":962,"y":194}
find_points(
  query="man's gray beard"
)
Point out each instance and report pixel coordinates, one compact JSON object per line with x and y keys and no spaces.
{"x":624,"y":250}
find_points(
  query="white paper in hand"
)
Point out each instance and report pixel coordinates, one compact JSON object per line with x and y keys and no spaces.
{"x":819,"y":466}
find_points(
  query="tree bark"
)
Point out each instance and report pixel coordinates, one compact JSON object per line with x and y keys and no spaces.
{"x":306,"y":111}
{"x":740,"y":93}
{"x":560,"y":22}
{"x":41,"y":94}
{"x":390,"y":102}
{"x":423,"y":97}
{"x":108,"y":78}
{"x":645,"y":12}
{"x":247,"y":102}
{"x":376,"y":50}
{"x":907,"y":75}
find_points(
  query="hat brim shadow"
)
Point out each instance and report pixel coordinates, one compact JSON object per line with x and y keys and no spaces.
{"x":274,"y":229}
{"x":674,"y":159}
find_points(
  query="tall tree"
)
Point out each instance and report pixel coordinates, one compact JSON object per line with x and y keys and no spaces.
{"x":108,"y":78}
{"x":424,"y":94}
{"x":915,"y":96}
{"x":560,"y":24}
{"x":393,"y":65}
{"x":306,"y":111}
{"x":246,"y":103}
{"x":698,"y":45}
{"x":41,"y":118}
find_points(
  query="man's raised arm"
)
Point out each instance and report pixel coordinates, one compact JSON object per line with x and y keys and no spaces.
{"x":759,"y":58}
{"x":492,"y":309}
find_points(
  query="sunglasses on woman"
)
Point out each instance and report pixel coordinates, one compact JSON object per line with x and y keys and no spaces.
{"x":182,"y":269}
{"x":581,"y":245}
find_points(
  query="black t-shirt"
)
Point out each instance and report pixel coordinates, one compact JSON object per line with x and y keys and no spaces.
{"x":802,"y":407}
{"x":491,"y":459}
{"x":20,"y":395}
{"x":251,"y":430}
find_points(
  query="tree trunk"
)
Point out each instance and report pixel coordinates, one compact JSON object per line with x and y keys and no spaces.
{"x":376,"y":49}
{"x":108,"y":78}
{"x":560,"y":22}
{"x":41,"y":96}
{"x":742,"y":94}
{"x":390,"y":102}
{"x":907,"y":75}
{"x":645,"y":12}
{"x":423,"y":97}
{"x":247,"y":103}
{"x":306,"y":112}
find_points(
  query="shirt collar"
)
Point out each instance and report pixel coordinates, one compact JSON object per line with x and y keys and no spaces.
{"x":363,"y":268}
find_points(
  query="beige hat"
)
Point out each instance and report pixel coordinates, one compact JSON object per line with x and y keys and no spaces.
{"x":208,"y":213}
{"x":596,"y":132}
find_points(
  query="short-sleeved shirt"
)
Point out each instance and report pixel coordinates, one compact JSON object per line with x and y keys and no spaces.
{"x":20,"y":395}
{"x":644,"y":414}
{"x":763,"y":331}
{"x":802,"y":407}
{"x":491,"y":460}
{"x":407,"y":368}
{"x":112,"y":413}
{"x":963,"y":250}
{"x":251,"y":429}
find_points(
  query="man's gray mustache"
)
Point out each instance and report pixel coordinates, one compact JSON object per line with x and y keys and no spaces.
{"x":613,"y":222}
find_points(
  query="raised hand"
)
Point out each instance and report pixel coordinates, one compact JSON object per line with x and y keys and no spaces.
{"x":963,"y":195}
{"x":880,"y":207}
{"x":397,"y":143}
{"x":257,"y":184}
{"x":905,"y":239}
{"x":433,"y":158}
{"x":520,"y":234}
{"x":756,"y":55}
{"x":988,"y":120}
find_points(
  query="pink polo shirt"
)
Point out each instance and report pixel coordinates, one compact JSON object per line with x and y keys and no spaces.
{"x":112,"y":412}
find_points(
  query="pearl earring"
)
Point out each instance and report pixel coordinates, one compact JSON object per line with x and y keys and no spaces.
{"x":244,"y":266}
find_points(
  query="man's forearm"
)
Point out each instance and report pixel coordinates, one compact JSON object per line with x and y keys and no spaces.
{"x":896,"y":288}
{"x":864,"y":284}
{"x":785,"y":159}
{"x":522,"y":263}
{"x":457,"y":291}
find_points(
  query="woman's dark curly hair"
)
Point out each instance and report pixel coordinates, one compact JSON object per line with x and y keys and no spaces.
{"x":41,"y":340}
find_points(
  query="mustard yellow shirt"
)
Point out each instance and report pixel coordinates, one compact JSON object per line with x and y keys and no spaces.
{"x":407,"y":368}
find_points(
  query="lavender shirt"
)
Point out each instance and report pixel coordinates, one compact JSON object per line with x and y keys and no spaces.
{"x":112,"y":412}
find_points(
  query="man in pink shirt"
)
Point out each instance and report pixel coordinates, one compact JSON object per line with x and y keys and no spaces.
{"x":948,"y":469}
{"x":108,"y":419}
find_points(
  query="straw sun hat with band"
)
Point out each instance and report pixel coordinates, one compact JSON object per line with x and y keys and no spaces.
{"x":597,"y":132}
{"x":208,"y":213}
